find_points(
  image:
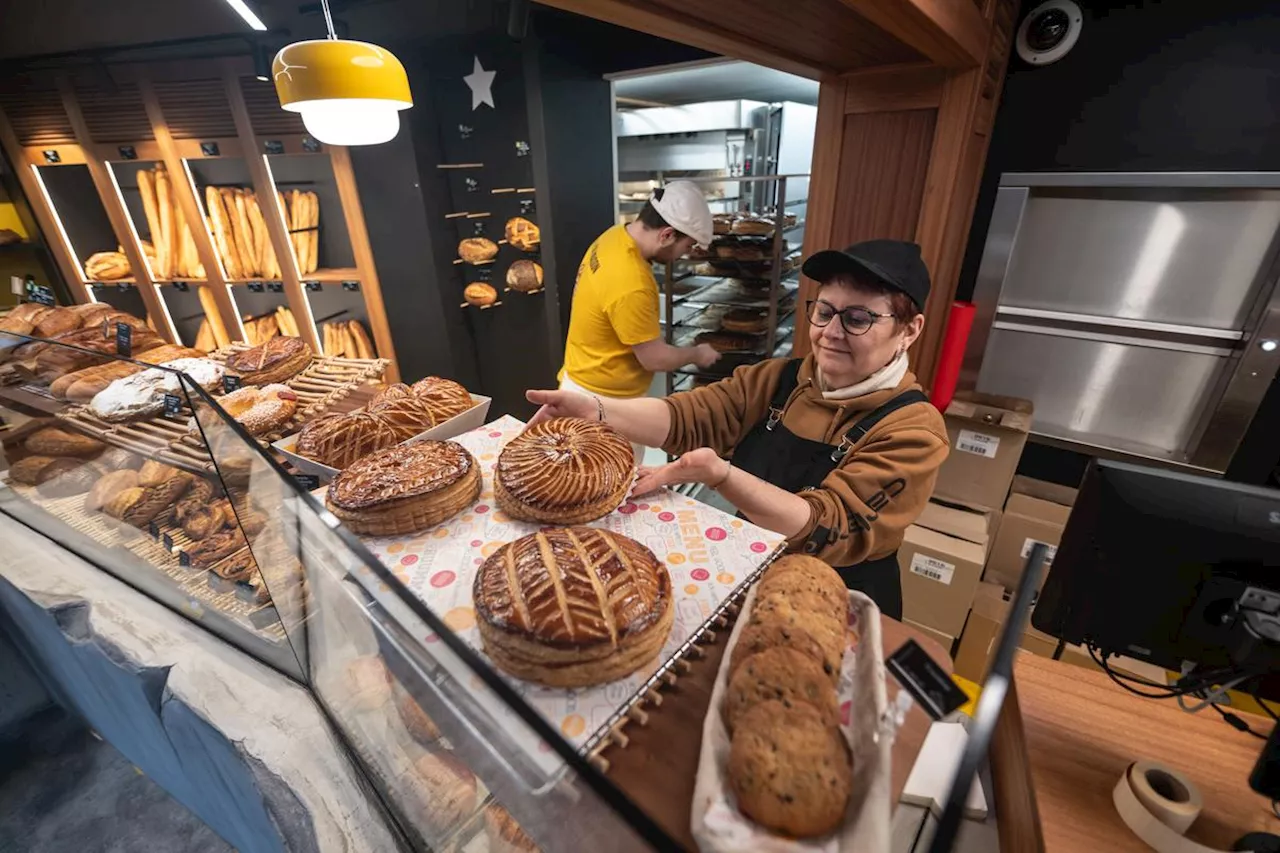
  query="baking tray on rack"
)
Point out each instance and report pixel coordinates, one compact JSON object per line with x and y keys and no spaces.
{"x":726,"y":291}
{"x":712,"y":557}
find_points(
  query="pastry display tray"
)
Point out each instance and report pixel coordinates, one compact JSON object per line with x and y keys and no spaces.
{"x":712,"y":558}
{"x":468,"y":420}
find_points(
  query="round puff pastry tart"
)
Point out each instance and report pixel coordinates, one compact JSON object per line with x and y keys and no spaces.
{"x":406,"y":488}
{"x":564,"y":471}
{"x":573,"y":606}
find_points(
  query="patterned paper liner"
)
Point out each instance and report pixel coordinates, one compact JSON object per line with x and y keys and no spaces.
{"x":711,"y":557}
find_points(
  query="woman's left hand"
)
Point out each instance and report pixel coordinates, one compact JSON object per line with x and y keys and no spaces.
{"x":696,"y":466}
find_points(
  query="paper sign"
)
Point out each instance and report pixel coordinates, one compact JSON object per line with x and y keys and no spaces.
{"x":978,"y":442}
{"x":933,"y":568}
{"x":1050,"y":550}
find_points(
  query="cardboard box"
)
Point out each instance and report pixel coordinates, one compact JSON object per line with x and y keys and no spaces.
{"x":987,"y":434}
{"x":1035,"y":512}
{"x":991,"y":603}
{"x":946,"y":641}
{"x":941,"y":560}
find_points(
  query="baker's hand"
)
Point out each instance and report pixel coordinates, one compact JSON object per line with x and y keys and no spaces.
{"x":704,"y":355}
{"x":562,"y":404}
{"x":696,"y":466}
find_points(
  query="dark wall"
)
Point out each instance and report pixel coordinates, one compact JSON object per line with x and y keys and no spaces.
{"x":1176,"y":85}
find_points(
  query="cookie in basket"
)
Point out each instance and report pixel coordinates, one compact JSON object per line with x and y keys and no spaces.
{"x":771,"y":635}
{"x":809,"y":590}
{"x":783,"y":674}
{"x":806,"y":600}
{"x":830,"y":633}
{"x":813,"y":568}
{"x":790,"y":771}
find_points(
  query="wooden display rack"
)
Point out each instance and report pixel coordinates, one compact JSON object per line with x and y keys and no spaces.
{"x":181,"y":115}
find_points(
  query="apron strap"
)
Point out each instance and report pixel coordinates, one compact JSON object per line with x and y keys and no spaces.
{"x":787,"y":383}
{"x":859,"y":430}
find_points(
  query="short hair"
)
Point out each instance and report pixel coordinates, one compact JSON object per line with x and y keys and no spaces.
{"x":901,"y":306}
{"x":650,"y":217}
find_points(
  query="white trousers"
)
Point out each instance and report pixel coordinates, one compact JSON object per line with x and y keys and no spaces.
{"x":567,"y":384}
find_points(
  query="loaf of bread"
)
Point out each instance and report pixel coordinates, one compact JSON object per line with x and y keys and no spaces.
{"x":81,"y":385}
{"x":477,"y":250}
{"x":480,"y":294}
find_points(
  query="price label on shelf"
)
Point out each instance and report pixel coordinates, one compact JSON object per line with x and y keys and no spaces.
{"x":978,"y":443}
{"x":172,"y":405}
{"x":230,"y":383}
{"x":168,"y":542}
{"x":184,"y":559}
{"x":307,"y":482}
{"x":124,"y":340}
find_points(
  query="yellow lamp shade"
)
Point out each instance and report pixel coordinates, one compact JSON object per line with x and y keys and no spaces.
{"x":347,"y":92}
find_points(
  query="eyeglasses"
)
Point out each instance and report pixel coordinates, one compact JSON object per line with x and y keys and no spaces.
{"x":855,"y":320}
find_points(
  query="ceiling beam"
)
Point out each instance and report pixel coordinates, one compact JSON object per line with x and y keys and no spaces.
{"x":950,"y":33}
{"x":686,"y":30}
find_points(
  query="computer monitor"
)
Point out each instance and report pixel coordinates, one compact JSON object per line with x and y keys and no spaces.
{"x":1170,"y":568}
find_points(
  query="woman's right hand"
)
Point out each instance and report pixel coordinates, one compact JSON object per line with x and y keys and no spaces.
{"x":562,"y":404}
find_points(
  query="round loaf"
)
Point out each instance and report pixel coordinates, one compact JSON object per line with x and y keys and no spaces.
{"x":56,"y":441}
{"x":154,"y":473}
{"x":564,"y":471}
{"x":108,"y":487}
{"x":480,"y":294}
{"x":117,"y":458}
{"x":405,"y":489}
{"x":754,"y":225}
{"x":786,"y":675}
{"x":747,"y":321}
{"x":790,"y":772}
{"x":477,"y":250}
{"x":28,"y":469}
{"x":524,"y":276}
{"x":278,"y":360}
{"x":573,"y":606}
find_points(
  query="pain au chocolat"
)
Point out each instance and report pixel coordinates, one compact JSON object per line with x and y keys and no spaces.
{"x":406,"y":488}
{"x":573,"y":606}
{"x":564,"y":471}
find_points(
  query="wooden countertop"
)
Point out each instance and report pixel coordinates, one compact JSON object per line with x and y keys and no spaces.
{"x":1082,"y":731}
{"x":658,"y":766}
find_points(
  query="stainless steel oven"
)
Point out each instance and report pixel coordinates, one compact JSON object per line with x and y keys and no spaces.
{"x":1139,"y":311}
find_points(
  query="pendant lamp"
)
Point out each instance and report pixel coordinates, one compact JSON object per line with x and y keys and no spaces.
{"x":348,"y":92}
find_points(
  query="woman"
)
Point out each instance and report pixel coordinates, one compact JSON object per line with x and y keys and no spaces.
{"x":838,"y":451}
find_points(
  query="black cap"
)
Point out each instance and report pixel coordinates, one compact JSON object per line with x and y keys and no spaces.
{"x":894,"y":263}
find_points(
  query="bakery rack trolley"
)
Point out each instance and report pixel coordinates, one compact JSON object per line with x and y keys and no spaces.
{"x":693,"y":303}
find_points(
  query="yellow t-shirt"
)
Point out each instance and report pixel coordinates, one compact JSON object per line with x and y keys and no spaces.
{"x":615,"y":307}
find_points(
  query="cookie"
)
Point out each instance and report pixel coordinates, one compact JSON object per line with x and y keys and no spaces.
{"x":812,"y":567}
{"x":808,"y":601}
{"x":790,"y":771}
{"x":764,"y":636}
{"x":800,"y":581}
{"x":830,"y":633}
{"x":781,"y":674}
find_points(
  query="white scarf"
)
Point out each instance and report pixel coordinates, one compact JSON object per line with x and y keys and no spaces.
{"x":888,"y":376}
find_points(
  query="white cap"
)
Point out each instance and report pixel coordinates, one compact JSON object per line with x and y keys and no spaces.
{"x":684,"y":208}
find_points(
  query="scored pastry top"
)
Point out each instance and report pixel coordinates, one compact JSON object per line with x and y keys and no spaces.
{"x":445,"y":397}
{"x":402,"y":471}
{"x":572,"y":586}
{"x":269,"y":354}
{"x":566,"y":462}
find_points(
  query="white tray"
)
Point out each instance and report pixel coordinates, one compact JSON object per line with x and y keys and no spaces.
{"x":455,"y":426}
{"x":719,"y":827}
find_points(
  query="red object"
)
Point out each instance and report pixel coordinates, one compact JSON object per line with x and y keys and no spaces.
{"x":959,"y":322}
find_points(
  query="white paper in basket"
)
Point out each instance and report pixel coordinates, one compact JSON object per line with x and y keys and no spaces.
{"x":718,"y":826}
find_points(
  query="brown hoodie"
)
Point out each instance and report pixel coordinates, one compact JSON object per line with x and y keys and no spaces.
{"x":883,"y":484}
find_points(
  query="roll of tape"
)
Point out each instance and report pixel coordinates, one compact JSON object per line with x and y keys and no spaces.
{"x":1159,"y":804}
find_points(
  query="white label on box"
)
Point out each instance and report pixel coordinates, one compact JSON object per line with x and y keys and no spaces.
{"x":978,"y":442}
{"x":1051,"y":551}
{"x":932,"y":568}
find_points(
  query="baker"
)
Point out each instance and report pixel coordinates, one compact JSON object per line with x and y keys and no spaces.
{"x":838,"y":451}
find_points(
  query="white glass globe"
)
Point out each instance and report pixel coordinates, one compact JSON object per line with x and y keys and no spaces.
{"x":350,"y":121}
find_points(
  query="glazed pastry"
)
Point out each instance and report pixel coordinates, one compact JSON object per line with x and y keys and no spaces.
{"x":573,"y":606}
{"x":261,"y":410}
{"x":722,"y":223}
{"x":67,"y":477}
{"x":111,"y":484}
{"x":405,"y":413}
{"x":122,"y":501}
{"x":524,"y":276}
{"x":277,"y":360}
{"x":216,"y":548}
{"x":157,"y":502}
{"x":420,"y":726}
{"x":789,"y":771}
{"x":504,"y":834}
{"x":753,"y":225}
{"x":748,"y":321}
{"x":449,"y":788}
{"x":405,"y":489}
{"x":564,"y":471}
{"x":28,"y":469}
{"x":197,"y":497}
{"x":477,"y":250}
{"x":339,"y":440}
{"x":445,"y":398}
{"x":56,"y":441}
{"x":237,"y":567}
{"x":389,"y":393}
{"x":203,"y":522}
{"x":480,"y":294}
{"x":523,"y":234}
{"x":728,"y":342}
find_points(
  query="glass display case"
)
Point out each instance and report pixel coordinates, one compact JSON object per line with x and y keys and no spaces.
{"x":178,"y":501}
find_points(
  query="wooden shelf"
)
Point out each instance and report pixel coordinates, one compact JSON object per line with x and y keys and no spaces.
{"x":333,"y":275}
{"x":109,"y":282}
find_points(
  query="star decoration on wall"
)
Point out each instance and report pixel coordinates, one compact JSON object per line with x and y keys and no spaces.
{"x":480,"y":82}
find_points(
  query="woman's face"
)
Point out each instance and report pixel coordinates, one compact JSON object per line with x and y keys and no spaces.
{"x":845,"y":358}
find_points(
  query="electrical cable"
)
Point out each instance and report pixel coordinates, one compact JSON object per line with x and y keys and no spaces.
{"x":1185,"y":686}
{"x":1237,"y":723}
{"x":1217,"y":694}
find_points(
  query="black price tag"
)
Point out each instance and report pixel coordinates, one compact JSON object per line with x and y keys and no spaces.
{"x":172,"y":405}
{"x":526,"y":206}
{"x":273,"y":146}
{"x":184,"y":559}
{"x":230,"y":383}
{"x":181,"y":286}
{"x":928,"y":683}
{"x":313,"y":286}
{"x":310,"y":145}
{"x":41,"y":294}
{"x":351,"y":285}
{"x":484,"y":273}
{"x":123,"y":286}
{"x":51,"y":156}
{"x":168,"y":541}
{"x":256,"y":287}
{"x":309,"y":482}
{"x":153,"y":530}
{"x":522,"y":148}
{"x":209,"y":149}
{"x":124,"y":340}
{"x":472,"y":185}
{"x":128,"y":152}
{"x":275,"y":286}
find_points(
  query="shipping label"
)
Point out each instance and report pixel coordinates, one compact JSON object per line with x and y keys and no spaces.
{"x":978,"y":442}
{"x":933,"y":568}
{"x":1050,"y":550}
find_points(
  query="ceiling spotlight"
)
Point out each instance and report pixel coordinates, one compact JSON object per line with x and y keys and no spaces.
{"x":261,"y":62}
{"x":250,"y":17}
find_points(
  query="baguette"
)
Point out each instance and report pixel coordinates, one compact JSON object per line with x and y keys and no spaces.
{"x":147,"y":189}
{"x":164,"y":242}
{"x":248,"y":245}
{"x":180,"y":235}
{"x":297,"y":207}
{"x":313,"y":236}
{"x":204,"y":337}
{"x":364,"y":346}
{"x":221,"y":231}
{"x":261,"y":244}
{"x":217,"y":331}
{"x":241,"y":243}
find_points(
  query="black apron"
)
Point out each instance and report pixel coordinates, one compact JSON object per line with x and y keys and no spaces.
{"x":773,"y":453}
